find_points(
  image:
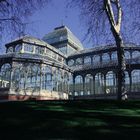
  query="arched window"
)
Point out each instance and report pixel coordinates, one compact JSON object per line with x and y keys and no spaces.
{"x":127,"y":81}
{"x":127,"y":55}
{"x":135,"y":80}
{"x":47,"y":78}
{"x":87,"y":60}
{"x":89,"y":84}
{"x":71,"y":62}
{"x":78,"y":79}
{"x":60,"y":79}
{"x":110,"y":82}
{"x":96,"y":59}
{"x":114,"y":56}
{"x":79,"y":84}
{"x":135,"y":54}
{"x":5,"y":75}
{"x":65,"y":82}
{"x":99,"y":83}
{"x":55,"y":79}
{"x":36,"y":72}
{"x":105,"y":57}
{"x":18,"y":48}
{"x":75,"y":93}
{"x":16,"y":79}
{"x":71,"y":83}
{"x":79,"y":61}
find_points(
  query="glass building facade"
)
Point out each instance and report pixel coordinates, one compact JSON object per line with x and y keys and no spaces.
{"x":58,"y":67}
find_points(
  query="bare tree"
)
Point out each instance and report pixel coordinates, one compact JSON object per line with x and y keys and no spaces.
{"x":112,"y":16}
{"x":14,"y":13}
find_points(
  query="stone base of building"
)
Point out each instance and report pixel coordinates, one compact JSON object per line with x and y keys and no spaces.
{"x":25,"y":97}
{"x":22,"y":96}
{"x":130,"y":96}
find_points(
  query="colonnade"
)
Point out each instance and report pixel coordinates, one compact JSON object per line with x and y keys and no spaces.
{"x":104,"y":83}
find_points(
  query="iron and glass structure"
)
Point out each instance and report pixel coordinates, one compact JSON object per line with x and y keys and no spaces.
{"x":58,"y":67}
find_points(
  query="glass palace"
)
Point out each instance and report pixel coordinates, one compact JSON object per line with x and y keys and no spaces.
{"x":58,"y":67}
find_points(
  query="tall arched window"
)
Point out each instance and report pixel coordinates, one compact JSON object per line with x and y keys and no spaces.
{"x":127,"y":81}
{"x":89,"y":84}
{"x":36,"y":73}
{"x":99,"y":83}
{"x":135,"y":80}
{"x":71,"y":83}
{"x":16,"y":79}
{"x":60,"y":80}
{"x":110,"y":82}
{"x":47,"y":78}
{"x":5,"y":75}
{"x":65,"y":82}
{"x":79,"y":85}
{"x":29,"y":77}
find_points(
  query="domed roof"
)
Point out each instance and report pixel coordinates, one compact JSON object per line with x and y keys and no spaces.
{"x":61,"y":34}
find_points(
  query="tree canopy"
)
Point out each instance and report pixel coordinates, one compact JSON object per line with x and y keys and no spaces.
{"x":14,"y":13}
{"x":93,"y":13}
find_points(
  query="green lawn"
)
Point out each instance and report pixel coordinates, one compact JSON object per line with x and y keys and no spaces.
{"x":89,"y":119}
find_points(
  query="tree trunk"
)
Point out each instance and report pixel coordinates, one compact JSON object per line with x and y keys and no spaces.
{"x":115,"y":28}
{"x":121,"y":65}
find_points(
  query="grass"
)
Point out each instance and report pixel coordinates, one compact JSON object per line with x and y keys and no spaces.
{"x":85,"y":119}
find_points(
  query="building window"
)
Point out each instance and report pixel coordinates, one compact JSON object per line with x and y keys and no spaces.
{"x":63,"y":50}
{"x":54,"y":55}
{"x":110,"y":82}
{"x":47,"y":78}
{"x":114,"y":56}
{"x":71,"y":62}
{"x":127,"y":55}
{"x":79,"y":61}
{"x":105,"y":57}
{"x":18,"y":48}
{"x":5,"y":75}
{"x":127,"y":81}
{"x":88,"y":84}
{"x":135,"y":54}
{"x":28,"y":48}
{"x":99,"y":83}
{"x":10,"y":50}
{"x":96,"y":59}
{"x":60,"y":58}
{"x":135,"y":80}
{"x":78,"y":84}
{"x":87,"y":60}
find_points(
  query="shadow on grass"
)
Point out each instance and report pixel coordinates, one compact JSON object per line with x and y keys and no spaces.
{"x":87,"y":119}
